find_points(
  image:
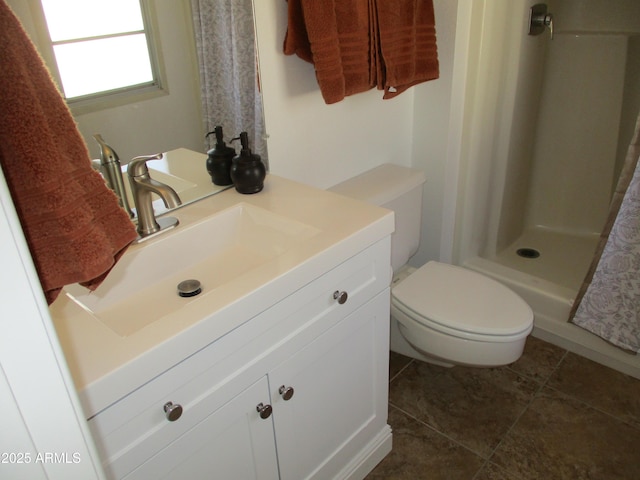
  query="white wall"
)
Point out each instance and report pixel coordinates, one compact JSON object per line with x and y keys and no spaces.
{"x":322,"y":145}
{"x":310,"y":141}
{"x":435,"y":142}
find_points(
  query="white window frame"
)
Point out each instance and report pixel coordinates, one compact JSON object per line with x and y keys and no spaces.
{"x":112,"y":98}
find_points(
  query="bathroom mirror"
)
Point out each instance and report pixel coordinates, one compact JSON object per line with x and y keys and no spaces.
{"x":168,"y":120}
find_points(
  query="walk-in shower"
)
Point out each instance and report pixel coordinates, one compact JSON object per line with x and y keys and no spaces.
{"x":559,"y":114}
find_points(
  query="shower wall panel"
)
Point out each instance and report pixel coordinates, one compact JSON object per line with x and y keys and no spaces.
{"x":517,"y":124}
{"x":577,"y":132}
{"x":619,"y":16}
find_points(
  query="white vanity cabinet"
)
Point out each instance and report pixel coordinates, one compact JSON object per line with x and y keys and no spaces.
{"x":299,"y":391}
{"x":338,"y":404}
{"x":233,"y":442}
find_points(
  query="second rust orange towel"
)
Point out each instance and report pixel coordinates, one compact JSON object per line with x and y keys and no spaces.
{"x":407,"y":44}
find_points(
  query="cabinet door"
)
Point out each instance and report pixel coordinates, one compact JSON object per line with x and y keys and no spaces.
{"x":234,"y":442}
{"x":339,"y":400}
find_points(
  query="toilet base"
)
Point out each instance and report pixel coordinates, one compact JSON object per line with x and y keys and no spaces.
{"x":448,"y":351}
{"x":399,"y":344}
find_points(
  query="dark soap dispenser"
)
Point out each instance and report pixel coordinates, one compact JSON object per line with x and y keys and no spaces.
{"x":247,"y":169}
{"x":219,"y":160}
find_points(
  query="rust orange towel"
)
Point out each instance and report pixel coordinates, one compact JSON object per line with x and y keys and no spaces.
{"x":335,"y":36}
{"x":407,"y":44}
{"x":356,"y":45}
{"x":73,"y":224}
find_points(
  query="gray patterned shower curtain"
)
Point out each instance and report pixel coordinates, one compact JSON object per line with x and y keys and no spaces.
{"x":230,"y":91}
{"x":608,"y":303}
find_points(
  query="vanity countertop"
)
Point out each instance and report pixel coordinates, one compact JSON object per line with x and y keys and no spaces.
{"x":106,"y":366}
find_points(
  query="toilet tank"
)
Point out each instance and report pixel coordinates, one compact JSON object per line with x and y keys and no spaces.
{"x":396,"y":188}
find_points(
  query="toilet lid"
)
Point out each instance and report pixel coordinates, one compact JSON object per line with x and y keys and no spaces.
{"x":461,"y":299}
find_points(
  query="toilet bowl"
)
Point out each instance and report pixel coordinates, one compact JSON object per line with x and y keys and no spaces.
{"x":454,"y":316}
{"x":440,"y":313}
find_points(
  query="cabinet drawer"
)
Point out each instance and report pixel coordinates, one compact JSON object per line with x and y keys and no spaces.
{"x":135,"y":428}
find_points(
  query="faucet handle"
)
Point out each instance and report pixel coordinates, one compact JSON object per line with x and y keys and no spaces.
{"x":138,"y":165}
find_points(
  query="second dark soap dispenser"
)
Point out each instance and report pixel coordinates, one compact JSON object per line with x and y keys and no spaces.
{"x":247,"y":170}
{"x":219,"y":160}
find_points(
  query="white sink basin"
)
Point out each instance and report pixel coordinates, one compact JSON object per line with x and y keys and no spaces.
{"x":142,"y":287}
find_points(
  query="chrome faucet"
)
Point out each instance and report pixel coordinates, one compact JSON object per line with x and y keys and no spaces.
{"x":142,"y":186}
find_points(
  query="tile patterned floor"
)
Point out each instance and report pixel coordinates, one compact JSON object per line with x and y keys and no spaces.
{"x":551,"y":415}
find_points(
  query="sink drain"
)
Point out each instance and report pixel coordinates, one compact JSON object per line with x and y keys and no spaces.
{"x":528,"y":252}
{"x":189,"y":288}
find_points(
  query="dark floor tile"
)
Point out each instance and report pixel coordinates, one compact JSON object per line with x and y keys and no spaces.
{"x":420,"y":453}
{"x":472,"y":406}
{"x":599,"y":386}
{"x":559,"y":437}
{"x":397,"y":362}
{"x":493,"y":472}
{"x":539,"y":359}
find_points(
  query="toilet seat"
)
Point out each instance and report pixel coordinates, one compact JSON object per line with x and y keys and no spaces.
{"x":462,"y":303}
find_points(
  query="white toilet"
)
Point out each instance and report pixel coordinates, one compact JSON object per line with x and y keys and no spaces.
{"x":442,"y":314}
